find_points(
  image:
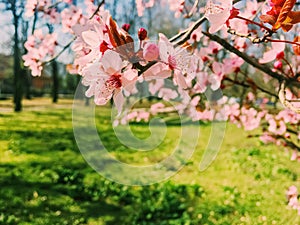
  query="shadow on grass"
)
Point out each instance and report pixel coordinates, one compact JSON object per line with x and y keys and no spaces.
{"x":60,"y":199}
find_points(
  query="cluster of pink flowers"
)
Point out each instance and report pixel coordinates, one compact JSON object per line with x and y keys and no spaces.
{"x":292,"y":197}
{"x":142,"y":5}
{"x":70,"y":17}
{"x":40,"y":47}
{"x":174,"y":5}
{"x":110,"y":66}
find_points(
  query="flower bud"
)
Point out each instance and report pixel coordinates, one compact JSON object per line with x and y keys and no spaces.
{"x":215,"y":51}
{"x":126,"y":27}
{"x":278,"y":65}
{"x":151,"y":52}
{"x":142,"y":34}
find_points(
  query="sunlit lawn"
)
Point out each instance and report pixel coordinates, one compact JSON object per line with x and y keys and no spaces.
{"x":45,"y":180}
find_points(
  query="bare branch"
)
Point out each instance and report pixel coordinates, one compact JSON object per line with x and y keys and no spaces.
{"x":98,"y":9}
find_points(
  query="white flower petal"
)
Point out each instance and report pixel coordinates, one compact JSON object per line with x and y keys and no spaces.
{"x":112,"y":62}
{"x":91,"y":38}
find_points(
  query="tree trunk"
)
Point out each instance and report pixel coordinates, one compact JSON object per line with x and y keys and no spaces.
{"x":17,"y":65}
{"x":55,"y":85}
{"x":27,"y":81}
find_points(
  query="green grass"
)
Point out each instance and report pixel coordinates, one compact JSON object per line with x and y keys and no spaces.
{"x":45,"y":180}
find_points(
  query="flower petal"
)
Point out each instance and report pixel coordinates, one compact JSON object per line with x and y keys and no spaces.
{"x":179,"y":79}
{"x":91,"y":38}
{"x":112,"y":62}
{"x":119,"y":100}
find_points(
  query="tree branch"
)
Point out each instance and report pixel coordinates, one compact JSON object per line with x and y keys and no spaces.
{"x":248,"y":86}
{"x":245,"y":57}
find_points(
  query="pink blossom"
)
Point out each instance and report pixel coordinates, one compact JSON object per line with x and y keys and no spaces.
{"x":178,"y":60}
{"x":52,"y":15}
{"x":167,"y":94}
{"x":155,"y":85}
{"x":217,"y":76}
{"x":217,"y":13}
{"x":177,"y":6}
{"x":156,"y":107}
{"x":250,"y":96}
{"x":267,"y":138}
{"x":157,"y":71}
{"x":232,"y":64}
{"x":293,"y":202}
{"x":276,"y":48}
{"x":105,"y":79}
{"x":234,"y":113}
{"x":294,"y":156}
{"x":91,"y":42}
{"x":70,"y":17}
{"x":30,"y":7}
{"x":142,"y":5}
{"x":202,"y":82}
{"x":250,"y":9}
{"x":196,"y":35}
{"x":276,"y":127}
{"x":195,"y":100}
{"x":40,"y":47}
{"x":91,"y":8}
{"x":250,"y":118}
{"x":143,"y":116}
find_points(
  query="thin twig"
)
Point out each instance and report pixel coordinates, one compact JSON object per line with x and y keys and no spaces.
{"x":193,"y":9}
{"x":283,"y":41}
{"x":248,"y":86}
{"x":255,"y":23}
{"x":98,"y":9}
{"x":290,"y":67}
{"x":61,"y":52}
{"x":34,"y":21}
{"x":185,"y":35}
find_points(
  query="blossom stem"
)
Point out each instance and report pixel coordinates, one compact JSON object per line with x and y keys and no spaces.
{"x":289,"y":65}
{"x":257,"y":24}
{"x":61,"y":52}
{"x":284,"y":41}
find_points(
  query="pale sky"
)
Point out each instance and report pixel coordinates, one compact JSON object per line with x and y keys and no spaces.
{"x":6,"y":32}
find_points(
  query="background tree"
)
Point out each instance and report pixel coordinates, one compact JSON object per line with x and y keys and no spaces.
{"x":16,"y":8}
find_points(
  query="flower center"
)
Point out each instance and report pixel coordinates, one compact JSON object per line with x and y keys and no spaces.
{"x":212,"y":8}
{"x":104,"y":47}
{"x":113,"y":82}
